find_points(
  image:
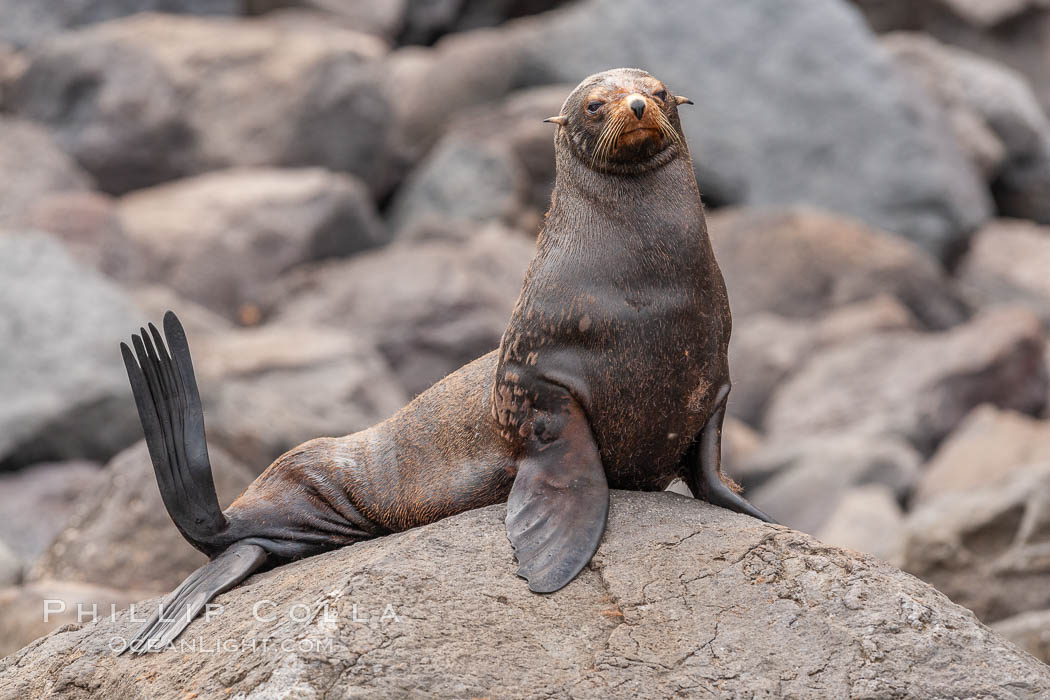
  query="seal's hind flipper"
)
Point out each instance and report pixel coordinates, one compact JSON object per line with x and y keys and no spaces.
{"x":183,"y":604}
{"x":173,"y":421}
{"x":560,"y":499}
{"x":705,"y":474}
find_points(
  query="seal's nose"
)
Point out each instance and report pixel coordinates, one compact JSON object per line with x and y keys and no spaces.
{"x":637,"y":105}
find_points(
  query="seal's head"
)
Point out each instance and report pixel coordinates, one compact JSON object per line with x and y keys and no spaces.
{"x":622,"y":121}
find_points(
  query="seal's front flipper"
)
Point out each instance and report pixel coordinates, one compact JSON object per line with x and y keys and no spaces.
{"x":183,"y":604}
{"x":560,"y":499}
{"x":705,"y":468}
{"x":173,"y":421}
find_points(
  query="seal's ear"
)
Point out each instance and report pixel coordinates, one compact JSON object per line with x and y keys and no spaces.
{"x":682,"y":100}
{"x":559,"y":120}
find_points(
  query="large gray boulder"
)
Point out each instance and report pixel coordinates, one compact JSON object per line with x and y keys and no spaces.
{"x":88,"y":225}
{"x":767,"y":348}
{"x":127,"y":100}
{"x":430,"y":306}
{"x":271,"y":388}
{"x":38,"y":500}
{"x":32,"y":166}
{"x":29,"y":23}
{"x":799,"y":263}
{"x":795,"y":102}
{"x":1012,"y":32}
{"x":430,"y":89}
{"x":497,"y":164}
{"x":994,"y":114}
{"x":65,"y":393}
{"x":912,"y":386}
{"x":682,"y":598}
{"x":220,"y":238}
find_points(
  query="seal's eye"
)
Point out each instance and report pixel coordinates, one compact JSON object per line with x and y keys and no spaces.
{"x":594,"y":106}
{"x":661,"y":95}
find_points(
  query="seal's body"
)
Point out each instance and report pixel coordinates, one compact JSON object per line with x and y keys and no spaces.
{"x":624,"y":306}
{"x":612,"y":370}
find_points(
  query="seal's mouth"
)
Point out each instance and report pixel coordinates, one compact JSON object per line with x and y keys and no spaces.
{"x":637,"y":136}
{"x":635,"y":130}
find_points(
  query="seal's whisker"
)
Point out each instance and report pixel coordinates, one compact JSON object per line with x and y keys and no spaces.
{"x":667,"y":129}
{"x":608,"y":143}
{"x":599,"y":145}
{"x":605,"y":139}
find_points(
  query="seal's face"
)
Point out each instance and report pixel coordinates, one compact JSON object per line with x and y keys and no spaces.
{"x":622,"y":120}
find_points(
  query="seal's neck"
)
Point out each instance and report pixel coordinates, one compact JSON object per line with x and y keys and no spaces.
{"x":658,"y":206}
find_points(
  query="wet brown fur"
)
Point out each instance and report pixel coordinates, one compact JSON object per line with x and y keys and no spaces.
{"x":623,"y":305}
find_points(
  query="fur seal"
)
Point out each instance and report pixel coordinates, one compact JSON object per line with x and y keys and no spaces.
{"x":612,"y":372}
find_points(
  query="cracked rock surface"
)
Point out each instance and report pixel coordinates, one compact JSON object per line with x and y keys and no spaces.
{"x":682,"y":599}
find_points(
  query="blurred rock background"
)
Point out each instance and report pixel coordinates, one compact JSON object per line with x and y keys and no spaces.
{"x":340,"y":197}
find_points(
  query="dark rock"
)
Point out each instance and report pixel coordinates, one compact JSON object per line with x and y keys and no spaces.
{"x":426,"y":20}
{"x":32,"y":166}
{"x":800,"y":263}
{"x":219,"y":238}
{"x":430,"y":307}
{"x":762,"y":76}
{"x":487,"y":13}
{"x":120,"y":534}
{"x":682,"y":597}
{"x":127,"y":99}
{"x":38,"y":500}
{"x":913,"y":386}
{"x":65,"y":391}
{"x":1009,"y":261}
